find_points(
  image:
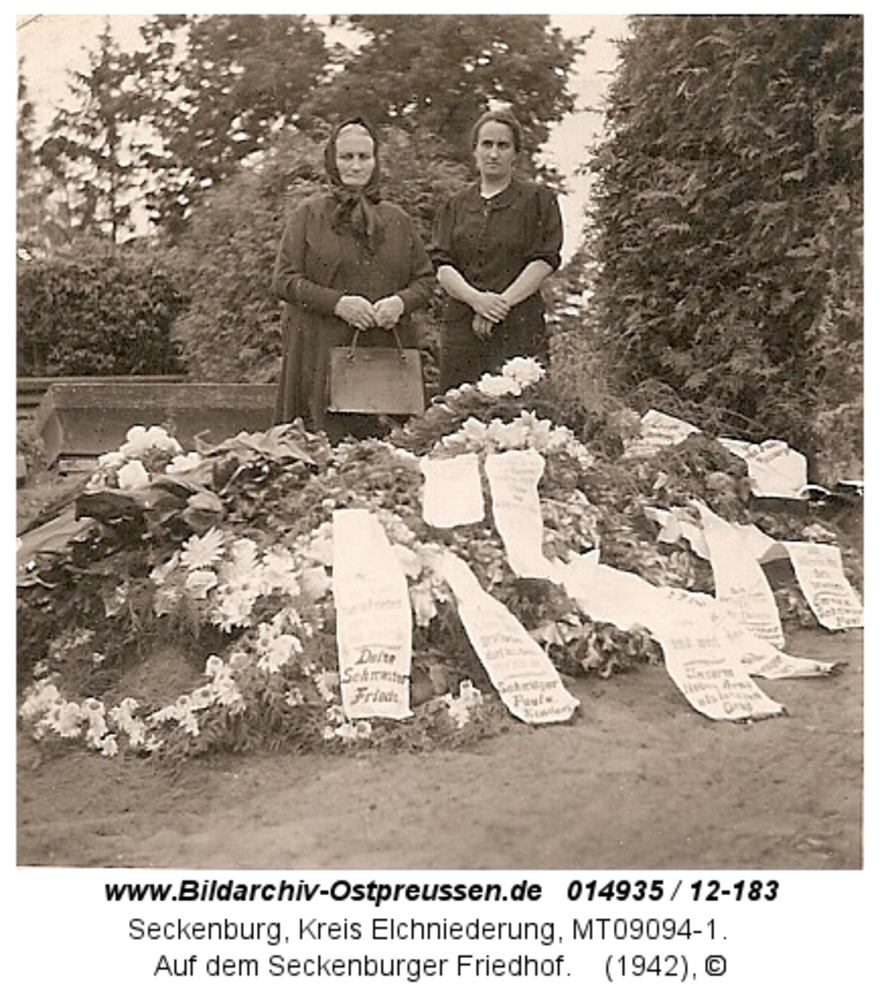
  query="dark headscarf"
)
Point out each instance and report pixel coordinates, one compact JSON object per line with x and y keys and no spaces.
{"x":355,"y":207}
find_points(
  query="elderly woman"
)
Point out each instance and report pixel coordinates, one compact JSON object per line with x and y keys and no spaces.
{"x":493,"y":245}
{"x":348,"y":262}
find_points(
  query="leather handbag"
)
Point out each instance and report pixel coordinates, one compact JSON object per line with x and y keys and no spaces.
{"x":376,"y":379}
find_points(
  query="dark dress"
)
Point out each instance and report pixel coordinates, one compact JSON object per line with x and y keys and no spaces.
{"x":315,"y":267}
{"x":489,"y":241}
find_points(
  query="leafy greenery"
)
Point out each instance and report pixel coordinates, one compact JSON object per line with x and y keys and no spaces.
{"x":204,"y":93}
{"x":89,"y":150}
{"x":226,"y":555}
{"x":729,"y":223}
{"x":96,"y":312}
{"x":214,"y":89}
{"x":439,"y":72}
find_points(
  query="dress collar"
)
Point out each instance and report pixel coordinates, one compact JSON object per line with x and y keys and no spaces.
{"x":476,"y":202}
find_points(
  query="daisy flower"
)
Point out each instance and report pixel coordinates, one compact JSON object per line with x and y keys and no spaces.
{"x":202,"y":551}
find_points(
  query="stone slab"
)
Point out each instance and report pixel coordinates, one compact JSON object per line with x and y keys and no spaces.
{"x":86,"y":419}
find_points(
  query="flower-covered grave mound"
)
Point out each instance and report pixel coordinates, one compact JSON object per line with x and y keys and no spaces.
{"x":224,"y":555}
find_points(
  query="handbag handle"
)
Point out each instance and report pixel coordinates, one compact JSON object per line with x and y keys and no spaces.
{"x":357,"y":333}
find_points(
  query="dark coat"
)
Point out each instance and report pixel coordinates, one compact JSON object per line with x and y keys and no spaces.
{"x":315,"y":267}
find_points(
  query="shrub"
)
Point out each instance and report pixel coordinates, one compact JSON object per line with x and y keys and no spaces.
{"x":97,"y":310}
{"x":729,"y":217}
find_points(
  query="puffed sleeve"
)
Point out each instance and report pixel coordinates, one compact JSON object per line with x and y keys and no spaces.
{"x":289,"y":281}
{"x":440,"y":249}
{"x":546,"y":243}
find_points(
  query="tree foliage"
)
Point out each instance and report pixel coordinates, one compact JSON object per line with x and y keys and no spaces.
{"x":28,"y":181}
{"x":213,"y":89}
{"x":89,"y":151}
{"x":439,"y":72}
{"x":206,"y":92}
{"x":729,"y":219}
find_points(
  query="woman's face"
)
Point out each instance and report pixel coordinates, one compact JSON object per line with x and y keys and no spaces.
{"x":495,"y":151}
{"x":355,"y":156}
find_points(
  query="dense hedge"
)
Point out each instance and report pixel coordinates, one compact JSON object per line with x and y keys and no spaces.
{"x":729,"y":221}
{"x":96,"y":312}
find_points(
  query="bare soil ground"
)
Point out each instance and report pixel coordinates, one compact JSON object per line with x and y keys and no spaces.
{"x":638,"y":781}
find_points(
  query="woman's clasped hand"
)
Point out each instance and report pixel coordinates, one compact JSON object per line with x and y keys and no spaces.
{"x":363,"y":314}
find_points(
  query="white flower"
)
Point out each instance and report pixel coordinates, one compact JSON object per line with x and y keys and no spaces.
{"x":201,"y":551}
{"x":525,"y":371}
{"x":278,"y":572}
{"x":214,"y":666}
{"x":133,"y":435}
{"x":139,"y":440}
{"x":228,"y":694}
{"x":459,"y":708}
{"x":184,"y":463}
{"x":133,"y":476}
{"x":105,"y":473}
{"x":199,"y":582}
{"x":421,"y":597}
{"x":242,"y":568}
{"x":41,"y":697}
{"x":202,"y":697}
{"x":397,"y":530}
{"x":499,"y":385}
{"x":122,"y":716}
{"x":111,"y":460}
{"x":559,"y":439}
{"x":65,"y":719}
{"x":327,"y":684}
{"x":238,"y":662}
{"x":234,"y":605}
{"x":508,"y":436}
{"x":189,"y":722}
{"x":314,"y":582}
{"x":319,"y":549}
{"x":275,"y":648}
